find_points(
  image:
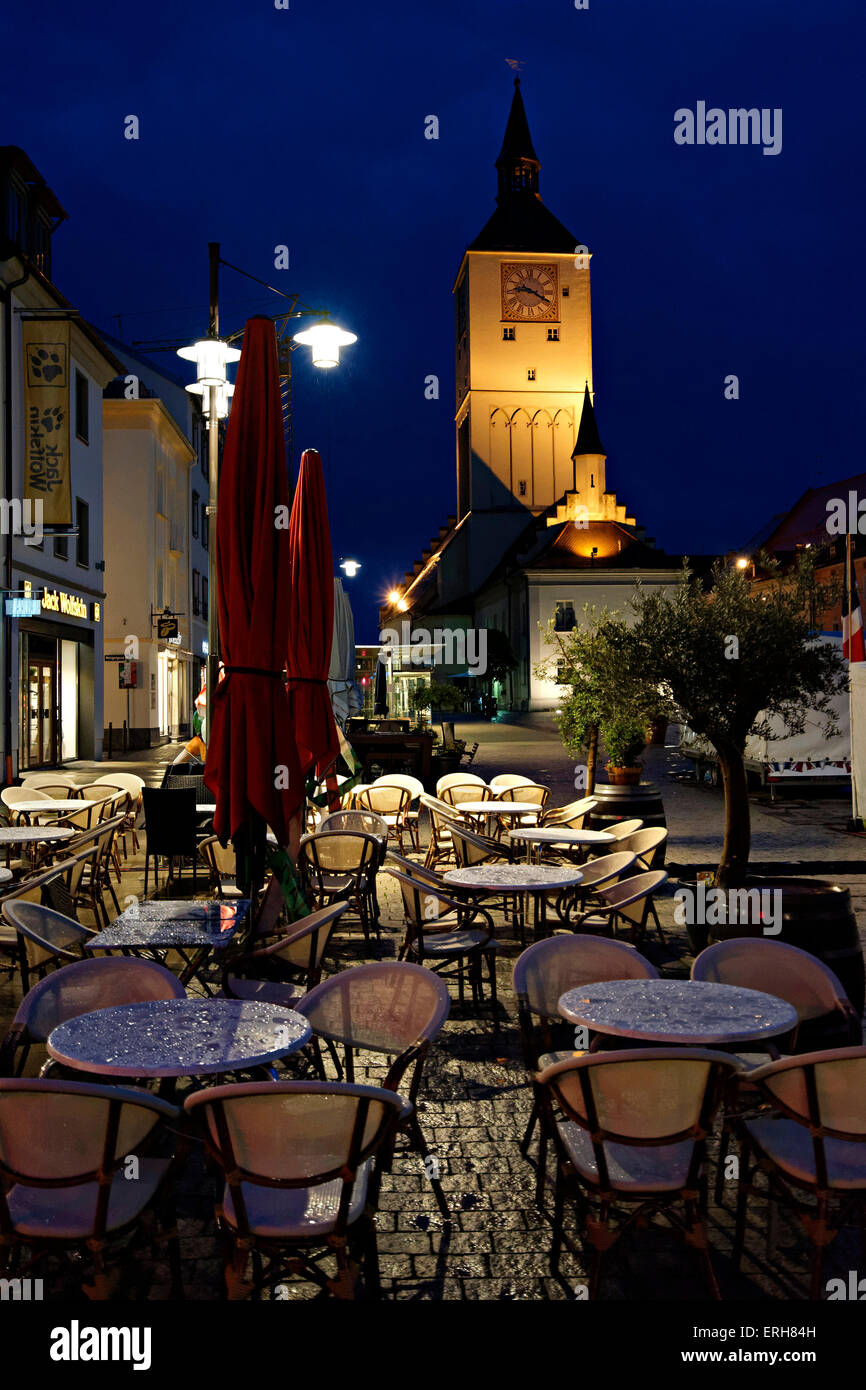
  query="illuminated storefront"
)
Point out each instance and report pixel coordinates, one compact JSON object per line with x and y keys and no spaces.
{"x":60,"y":674}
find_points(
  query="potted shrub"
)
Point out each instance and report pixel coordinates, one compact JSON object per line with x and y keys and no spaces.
{"x":623,"y":738}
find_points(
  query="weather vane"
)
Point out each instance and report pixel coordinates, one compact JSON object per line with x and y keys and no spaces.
{"x":515,"y":64}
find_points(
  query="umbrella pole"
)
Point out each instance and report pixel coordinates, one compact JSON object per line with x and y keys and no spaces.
{"x":250,"y":842}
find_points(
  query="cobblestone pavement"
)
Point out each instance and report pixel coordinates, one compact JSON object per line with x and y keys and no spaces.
{"x":475,"y":1101}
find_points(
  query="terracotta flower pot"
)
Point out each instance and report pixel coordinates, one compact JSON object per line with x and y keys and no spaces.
{"x":623,"y":776}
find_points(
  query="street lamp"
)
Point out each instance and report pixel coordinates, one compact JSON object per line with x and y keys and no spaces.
{"x":351,"y":568}
{"x":225,"y":391}
{"x":325,"y":340}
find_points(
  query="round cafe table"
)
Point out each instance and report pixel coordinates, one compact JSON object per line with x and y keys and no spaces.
{"x":13,"y":835}
{"x":552,"y":835}
{"x":178,"y":1037}
{"x":51,"y":807}
{"x":5,"y":875}
{"x":527,"y":880}
{"x":696,"y":1013}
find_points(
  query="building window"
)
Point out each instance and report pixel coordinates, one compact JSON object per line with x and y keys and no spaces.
{"x":205,"y":526}
{"x":203,"y":597}
{"x":553,"y":335}
{"x":561,"y":677}
{"x":82,"y":423}
{"x":195,"y":500}
{"x":530,"y":375}
{"x":61,"y":547}
{"x":82,"y":545}
{"x":196,"y":599}
{"x":508,"y":335}
{"x":521,"y":489}
{"x":563,"y":617}
{"x":565,"y":291}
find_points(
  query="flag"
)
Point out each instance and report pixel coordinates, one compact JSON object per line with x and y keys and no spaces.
{"x":852,"y":617}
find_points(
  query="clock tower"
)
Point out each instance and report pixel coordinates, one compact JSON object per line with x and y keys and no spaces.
{"x":524,"y":346}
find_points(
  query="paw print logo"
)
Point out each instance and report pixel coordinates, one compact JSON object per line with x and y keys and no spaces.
{"x":51,"y":419}
{"x":45,"y":365}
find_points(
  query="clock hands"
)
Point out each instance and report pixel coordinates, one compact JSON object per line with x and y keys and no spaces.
{"x":527,"y":289}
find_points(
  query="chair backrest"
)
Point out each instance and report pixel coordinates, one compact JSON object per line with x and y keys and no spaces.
{"x":573,"y":814}
{"x":470,"y":848}
{"x":504,"y":780}
{"x":384,"y":1007}
{"x":129,"y":781}
{"x":385,"y":800}
{"x":822,"y":1090}
{"x":459,"y":792}
{"x":605,"y":868}
{"x":451,"y":779}
{"x":294,"y":1134}
{"x":57,"y":790}
{"x":338,"y":852}
{"x":170,"y":820}
{"x":620,"y":829}
{"x":365,"y":821}
{"x":646,"y":844}
{"x":424,"y":901}
{"x":86,"y":985}
{"x":545,"y":970}
{"x":115,"y":803}
{"x":401,"y":779}
{"x":10,"y":796}
{"x":67,"y":1133}
{"x":641,"y":1095}
{"x":531,"y":792}
{"x":304,"y":943}
{"x":219,"y":859}
{"x":630,"y":897}
{"x":776,"y":968}
{"x":49,"y":930}
{"x":49,"y":779}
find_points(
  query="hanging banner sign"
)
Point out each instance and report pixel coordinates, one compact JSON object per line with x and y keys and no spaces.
{"x":46,"y":419}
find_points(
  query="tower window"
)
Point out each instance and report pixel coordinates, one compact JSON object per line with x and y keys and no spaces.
{"x":553,"y":335}
{"x":521,"y":489}
{"x":592,"y":480}
{"x":530,"y":375}
{"x":565,"y":291}
{"x":508,"y":335}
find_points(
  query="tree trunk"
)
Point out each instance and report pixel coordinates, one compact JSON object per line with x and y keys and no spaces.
{"x":734,"y":863}
{"x":591,"y":760}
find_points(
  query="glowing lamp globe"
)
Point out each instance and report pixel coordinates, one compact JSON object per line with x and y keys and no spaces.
{"x":210,"y":356}
{"x":325,"y":341}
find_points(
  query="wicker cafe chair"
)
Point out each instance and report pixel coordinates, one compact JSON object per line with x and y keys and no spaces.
{"x":64,"y":1153}
{"x":11,"y":796}
{"x":503,"y":780}
{"x":391,"y":803}
{"x":414,"y":787}
{"x":812,"y":1145}
{"x":55,"y":786}
{"x":364,"y":821}
{"x":454,"y":952}
{"x":92,"y":878}
{"x":79,"y":989}
{"x":630,"y":1134}
{"x":286,"y":969}
{"x":453,"y":779}
{"x":599,"y":873}
{"x":628,"y":901}
{"x":620,"y":829}
{"x":301,"y":1179}
{"x":459,"y":792}
{"x":47,"y":938}
{"x":221,"y":866}
{"x":571,"y":816}
{"x":431,"y":879}
{"x":133,"y":785}
{"x":542,"y":974}
{"x":342,"y":865}
{"x":393,"y":1008}
{"x":442,"y":817}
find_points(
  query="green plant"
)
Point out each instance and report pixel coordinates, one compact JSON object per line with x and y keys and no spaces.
{"x":623,"y":738}
{"x":436,"y":696}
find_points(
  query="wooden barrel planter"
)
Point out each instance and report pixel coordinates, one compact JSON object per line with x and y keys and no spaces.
{"x":619,"y":803}
{"x":816,"y":916}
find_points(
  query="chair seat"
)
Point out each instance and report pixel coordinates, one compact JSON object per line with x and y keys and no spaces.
{"x":453,"y":943}
{"x":789,"y":1145}
{"x":303,"y":1213}
{"x":266,"y":991}
{"x":336,"y":883}
{"x":66,"y":1213}
{"x":661,"y":1169}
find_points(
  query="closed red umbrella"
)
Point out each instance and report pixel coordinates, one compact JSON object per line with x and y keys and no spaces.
{"x":311,"y":620}
{"x":252,"y":761}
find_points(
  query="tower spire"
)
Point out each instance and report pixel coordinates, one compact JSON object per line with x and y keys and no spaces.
{"x":588,"y":440}
{"x":518,"y":165}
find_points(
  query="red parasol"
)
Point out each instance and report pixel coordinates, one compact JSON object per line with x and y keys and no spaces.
{"x":311,"y":620}
{"x":252,"y":760}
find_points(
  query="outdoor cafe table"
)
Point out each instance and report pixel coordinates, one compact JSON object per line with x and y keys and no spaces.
{"x":5,"y":875}
{"x":533,"y":880}
{"x":178,"y":1037}
{"x":51,"y":807}
{"x":550,"y":835}
{"x":694,"y":1013}
{"x":11,"y":835}
{"x":192,"y":929}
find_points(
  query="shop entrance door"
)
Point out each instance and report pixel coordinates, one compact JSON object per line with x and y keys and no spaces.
{"x":41,"y":712}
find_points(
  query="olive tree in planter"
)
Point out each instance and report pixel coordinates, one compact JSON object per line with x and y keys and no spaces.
{"x":727,"y":659}
{"x":623,"y":739}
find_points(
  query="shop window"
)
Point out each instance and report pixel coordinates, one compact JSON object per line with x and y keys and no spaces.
{"x":563,"y":618}
{"x":204,"y":597}
{"x":82,"y":420}
{"x":195,"y":514}
{"x":82,"y":545}
{"x":196,"y":597}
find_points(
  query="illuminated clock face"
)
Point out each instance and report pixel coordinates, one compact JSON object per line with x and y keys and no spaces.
{"x":529,"y":292}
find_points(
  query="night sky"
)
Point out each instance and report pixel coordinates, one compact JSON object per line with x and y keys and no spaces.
{"x":261,"y":126}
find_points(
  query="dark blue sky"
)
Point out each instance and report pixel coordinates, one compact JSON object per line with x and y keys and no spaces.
{"x":306,"y":127}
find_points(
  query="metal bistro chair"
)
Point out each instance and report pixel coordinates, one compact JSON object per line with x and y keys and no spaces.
{"x":440,"y":850}
{"x":47,"y":938}
{"x":392,"y":1008}
{"x":342,"y":865}
{"x":389,"y":802}
{"x":65,"y":1148}
{"x":170,"y":825}
{"x":571,"y":816}
{"x":628,"y":901}
{"x":542,"y":974}
{"x":453,"y":779}
{"x":503,"y":780}
{"x":78,"y":989}
{"x":299,"y":1160}
{"x":630,"y":1134}
{"x":221,"y":866}
{"x":284,"y":970}
{"x":454,"y":952}
{"x":415,"y":788}
{"x":12,"y":796}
